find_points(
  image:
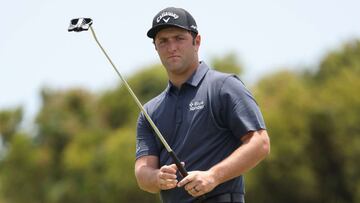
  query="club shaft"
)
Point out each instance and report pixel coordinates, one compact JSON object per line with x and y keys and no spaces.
{"x":158,"y":133}
{"x":133,"y":94}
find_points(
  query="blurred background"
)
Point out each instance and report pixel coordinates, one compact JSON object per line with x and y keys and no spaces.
{"x":67,"y":126}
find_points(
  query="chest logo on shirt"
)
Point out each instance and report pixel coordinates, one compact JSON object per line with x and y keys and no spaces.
{"x":196,"y":105}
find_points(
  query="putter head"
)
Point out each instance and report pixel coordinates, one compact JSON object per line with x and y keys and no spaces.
{"x":80,"y":24}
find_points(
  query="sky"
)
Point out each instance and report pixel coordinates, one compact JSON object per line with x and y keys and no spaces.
{"x":36,"y":51}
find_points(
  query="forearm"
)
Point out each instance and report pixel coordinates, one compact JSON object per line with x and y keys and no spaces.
{"x":255,"y":148}
{"x":146,"y":179}
{"x":146,"y":171}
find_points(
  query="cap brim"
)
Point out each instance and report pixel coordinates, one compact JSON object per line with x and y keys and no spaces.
{"x":154,"y":30}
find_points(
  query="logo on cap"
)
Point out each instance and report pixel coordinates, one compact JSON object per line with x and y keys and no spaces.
{"x":164,"y":14}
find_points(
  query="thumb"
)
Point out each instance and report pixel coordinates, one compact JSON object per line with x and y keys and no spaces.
{"x":175,"y":167}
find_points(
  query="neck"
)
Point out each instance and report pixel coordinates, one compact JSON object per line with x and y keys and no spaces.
{"x":179,"y":79}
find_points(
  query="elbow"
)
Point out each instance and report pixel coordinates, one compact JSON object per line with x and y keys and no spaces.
{"x":148,"y":189}
{"x":265,"y":144}
{"x":143,"y":183}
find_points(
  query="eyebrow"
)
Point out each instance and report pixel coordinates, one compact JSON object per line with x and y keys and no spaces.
{"x":172,"y":36}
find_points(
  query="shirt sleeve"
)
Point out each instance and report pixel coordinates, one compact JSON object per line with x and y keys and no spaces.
{"x":145,"y":138}
{"x":239,"y":111}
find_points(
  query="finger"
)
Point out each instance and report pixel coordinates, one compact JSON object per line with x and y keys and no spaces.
{"x":170,"y":183}
{"x":164,"y":175}
{"x":167,"y":186}
{"x":198,"y":190}
{"x":194,"y":192}
{"x":186,"y":180}
{"x":168,"y":169}
{"x":190,"y":186}
{"x":174,"y":166}
{"x":167,"y":183}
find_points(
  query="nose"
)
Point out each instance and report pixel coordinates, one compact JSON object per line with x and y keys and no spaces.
{"x":172,"y":46}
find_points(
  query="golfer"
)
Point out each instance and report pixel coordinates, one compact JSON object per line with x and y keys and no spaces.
{"x":209,"y":118}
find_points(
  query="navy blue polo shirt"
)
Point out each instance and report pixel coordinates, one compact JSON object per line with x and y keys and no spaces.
{"x":203,"y":123}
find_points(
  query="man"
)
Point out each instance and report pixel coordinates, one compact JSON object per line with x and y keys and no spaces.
{"x":209,"y":118}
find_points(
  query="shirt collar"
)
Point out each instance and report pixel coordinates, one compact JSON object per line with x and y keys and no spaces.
{"x":195,"y":78}
{"x":198,"y":75}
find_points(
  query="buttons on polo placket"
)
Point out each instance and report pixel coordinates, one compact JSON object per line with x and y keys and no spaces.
{"x":178,"y":108}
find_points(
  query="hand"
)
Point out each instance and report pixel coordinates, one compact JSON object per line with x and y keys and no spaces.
{"x":166,"y":177}
{"x":198,"y":183}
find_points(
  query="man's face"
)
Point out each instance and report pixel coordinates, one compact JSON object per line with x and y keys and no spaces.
{"x":177,"y":49}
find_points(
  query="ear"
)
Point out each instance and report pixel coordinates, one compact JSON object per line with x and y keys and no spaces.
{"x":154,"y":45}
{"x":197,"y":42}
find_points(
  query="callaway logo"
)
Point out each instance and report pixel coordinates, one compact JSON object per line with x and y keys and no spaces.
{"x":196,"y":105}
{"x":164,"y":14}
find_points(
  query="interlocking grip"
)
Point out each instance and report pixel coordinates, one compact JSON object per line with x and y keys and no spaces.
{"x":184,"y":173}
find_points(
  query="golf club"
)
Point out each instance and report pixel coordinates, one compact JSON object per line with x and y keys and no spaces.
{"x":84,"y":24}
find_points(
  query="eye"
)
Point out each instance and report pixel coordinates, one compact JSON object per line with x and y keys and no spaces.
{"x":180,"y":38}
{"x":161,"y":41}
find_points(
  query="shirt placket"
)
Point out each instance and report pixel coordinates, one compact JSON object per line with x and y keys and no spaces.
{"x":178,"y":112}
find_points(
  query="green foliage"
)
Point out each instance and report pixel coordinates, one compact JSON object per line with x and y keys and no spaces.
{"x":24,"y":172}
{"x":285,"y":101}
{"x":83,"y":149}
{"x":63,"y":115}
{"x":117,"y":107}
{"x":313,"y":125}
{"x":227,"y":64}
{"x":337,"y":134}
{"x":346,"y":58}
{"x":9,"y":122}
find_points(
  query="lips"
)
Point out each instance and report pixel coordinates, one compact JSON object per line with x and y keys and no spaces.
{"x":173,"y":57}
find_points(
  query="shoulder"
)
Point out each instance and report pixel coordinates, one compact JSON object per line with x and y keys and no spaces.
{"x":227,"y":85}
{"x":219,"y":80}
{"x":217,"y":75}
{"x":154,"y":103}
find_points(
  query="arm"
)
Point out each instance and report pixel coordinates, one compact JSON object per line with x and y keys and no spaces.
{"x":146,"y":169}
{"x":152,"y":179}
{"x":255,"y":147}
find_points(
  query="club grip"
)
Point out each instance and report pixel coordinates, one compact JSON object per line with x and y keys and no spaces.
{"x":181,"y":168}
{"x":183,"y":172}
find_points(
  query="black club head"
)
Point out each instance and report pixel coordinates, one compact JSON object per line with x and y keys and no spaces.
{"x":80,"y":24}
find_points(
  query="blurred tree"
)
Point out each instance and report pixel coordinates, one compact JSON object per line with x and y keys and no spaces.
{"x":83,"y":150}
{"x":346,"y":58}
{"x":227,"y":64}
{"x":313,"y":125}
{"x":149,"y":82}
{"x":24,"y":173}
{"x":338,"y":116}
{"x":285,"y":101}
{"x":100,"y":169}
{"x":9,"y":122}
{"x":327,"y":160}
{"x":63,"y":116}
{"x":336,"y":135}
{"x":117,"y":107}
